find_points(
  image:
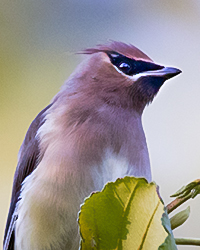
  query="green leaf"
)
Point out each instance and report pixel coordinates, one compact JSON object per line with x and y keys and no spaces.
{"x":192,"y":189}
{"x":179,"y":218}
{"x":125,"y":215}
{"x":169,"y":243}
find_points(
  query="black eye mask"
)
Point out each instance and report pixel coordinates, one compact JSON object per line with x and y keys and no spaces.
{"x":130,"y":66}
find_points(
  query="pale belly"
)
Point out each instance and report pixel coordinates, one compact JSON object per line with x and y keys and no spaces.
{"x":50,"y":202}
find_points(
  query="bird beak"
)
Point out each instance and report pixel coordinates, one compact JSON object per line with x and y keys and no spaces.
{"x":165,"y":72}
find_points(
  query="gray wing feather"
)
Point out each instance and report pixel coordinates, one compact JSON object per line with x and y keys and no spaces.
{"x":28,"y":161}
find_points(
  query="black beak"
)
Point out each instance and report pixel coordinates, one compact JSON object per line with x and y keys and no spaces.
{"x":165,"y":72}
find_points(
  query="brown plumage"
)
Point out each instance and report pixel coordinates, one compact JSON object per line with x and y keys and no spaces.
{"x":127,"y":50}
{"x":90,"y":134}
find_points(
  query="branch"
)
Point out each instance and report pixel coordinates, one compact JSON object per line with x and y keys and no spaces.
{"x":193,"y":242}
{"x":185,"y":193}
{"x":177,"y":202}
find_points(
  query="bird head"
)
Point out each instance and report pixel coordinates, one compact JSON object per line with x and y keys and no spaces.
{"x":120,"y":75}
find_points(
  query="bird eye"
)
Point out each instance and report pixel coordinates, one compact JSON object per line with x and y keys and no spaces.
{"x":125,"y":67}
{"x":121,"y":62}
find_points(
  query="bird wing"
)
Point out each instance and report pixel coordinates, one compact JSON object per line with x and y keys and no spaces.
{"x":28,"y":161}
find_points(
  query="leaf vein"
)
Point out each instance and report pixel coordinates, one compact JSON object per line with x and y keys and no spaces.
{"x":148,"y":226}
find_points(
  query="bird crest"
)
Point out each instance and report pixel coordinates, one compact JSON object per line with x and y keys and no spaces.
{"x":127,"y":50}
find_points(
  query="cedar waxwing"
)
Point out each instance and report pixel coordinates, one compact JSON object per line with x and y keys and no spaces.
{"x":90,"y":134}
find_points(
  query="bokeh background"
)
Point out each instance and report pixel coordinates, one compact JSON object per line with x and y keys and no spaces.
{"x":37,"y":44}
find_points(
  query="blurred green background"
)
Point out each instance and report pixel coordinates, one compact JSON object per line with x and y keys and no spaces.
{"x":37,"y":44}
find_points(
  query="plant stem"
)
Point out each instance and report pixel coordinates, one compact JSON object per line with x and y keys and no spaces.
{"x":177,"y":202}
{"x":193,"y":242}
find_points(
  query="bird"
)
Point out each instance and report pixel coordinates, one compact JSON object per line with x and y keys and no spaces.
{"x":91,"y":133}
